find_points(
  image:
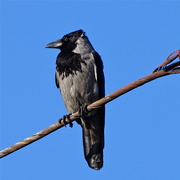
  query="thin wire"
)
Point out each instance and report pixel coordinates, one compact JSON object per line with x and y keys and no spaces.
{"x":171,"y":69}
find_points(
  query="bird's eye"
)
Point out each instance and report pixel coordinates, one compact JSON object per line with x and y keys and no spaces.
{"x":66,"y":38}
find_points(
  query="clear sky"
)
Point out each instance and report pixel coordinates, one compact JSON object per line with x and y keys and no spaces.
{"x":142,"y":134}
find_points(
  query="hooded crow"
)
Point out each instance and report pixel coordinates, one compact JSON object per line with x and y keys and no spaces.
{"x":80,"y":78}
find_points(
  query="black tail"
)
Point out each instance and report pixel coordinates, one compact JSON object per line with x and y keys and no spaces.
{"x":93,"y":139}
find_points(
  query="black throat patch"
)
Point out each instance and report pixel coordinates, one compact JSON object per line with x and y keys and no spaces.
{"x":69,"y":63}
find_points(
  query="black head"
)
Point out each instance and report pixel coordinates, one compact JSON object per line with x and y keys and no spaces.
{"x":68,"y":42}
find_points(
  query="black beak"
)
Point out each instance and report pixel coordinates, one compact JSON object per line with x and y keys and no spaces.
{"x":56,"y":44}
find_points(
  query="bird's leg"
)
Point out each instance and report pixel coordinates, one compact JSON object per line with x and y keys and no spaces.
{"x":83,"y":111}
{"x":64,"y":120}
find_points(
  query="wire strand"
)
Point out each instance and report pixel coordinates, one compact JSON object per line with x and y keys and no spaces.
{"x":171,"y":69}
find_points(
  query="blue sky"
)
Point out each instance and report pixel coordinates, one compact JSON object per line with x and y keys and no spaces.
{"x":142,"y":127}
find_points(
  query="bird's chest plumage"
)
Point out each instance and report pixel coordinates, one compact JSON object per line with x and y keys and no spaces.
{"x":76,"y":78}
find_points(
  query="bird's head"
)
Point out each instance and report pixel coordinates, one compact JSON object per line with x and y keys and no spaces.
{"x":68,"y":42}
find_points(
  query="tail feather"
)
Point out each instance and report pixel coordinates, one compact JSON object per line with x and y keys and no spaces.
{"x":93,"y":141}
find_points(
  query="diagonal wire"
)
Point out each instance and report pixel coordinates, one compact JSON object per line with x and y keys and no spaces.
{"x":173,"y":68}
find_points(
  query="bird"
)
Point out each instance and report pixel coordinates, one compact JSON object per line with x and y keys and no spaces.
{"x":79,"y":76}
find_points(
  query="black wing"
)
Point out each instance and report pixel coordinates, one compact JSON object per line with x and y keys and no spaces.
{"x":101,"y":85}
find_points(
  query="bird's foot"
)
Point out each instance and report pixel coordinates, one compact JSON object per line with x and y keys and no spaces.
{"x":83,"y":111}
{"x":63,"y":120}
